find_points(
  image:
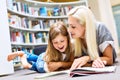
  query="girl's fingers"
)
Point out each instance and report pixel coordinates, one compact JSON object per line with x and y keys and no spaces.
{"x":73,"y":66}
{"x":76,"y":64}
{"x":79,"y":62}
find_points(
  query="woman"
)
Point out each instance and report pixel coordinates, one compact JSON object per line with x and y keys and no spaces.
{"x":93,"y":42}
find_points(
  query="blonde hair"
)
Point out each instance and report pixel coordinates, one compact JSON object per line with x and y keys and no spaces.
{"x":51,"y":53}
{"x":86,"y":18}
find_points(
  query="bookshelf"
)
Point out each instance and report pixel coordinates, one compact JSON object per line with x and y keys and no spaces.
{"x":31,"y":20}
{"x":5,"y":48}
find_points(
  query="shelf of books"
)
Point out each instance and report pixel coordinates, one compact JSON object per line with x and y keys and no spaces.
{"x":29,"y":21}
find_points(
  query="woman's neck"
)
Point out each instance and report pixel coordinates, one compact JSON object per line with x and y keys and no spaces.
{"x":84,"y":43}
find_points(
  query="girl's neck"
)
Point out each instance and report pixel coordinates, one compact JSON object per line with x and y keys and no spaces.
{"x":63,"y":52}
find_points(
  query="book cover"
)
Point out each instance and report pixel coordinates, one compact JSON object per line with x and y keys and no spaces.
{"x":43,"y":11}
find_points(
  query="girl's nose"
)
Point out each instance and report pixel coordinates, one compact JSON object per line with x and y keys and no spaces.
{"x":59,"y":44}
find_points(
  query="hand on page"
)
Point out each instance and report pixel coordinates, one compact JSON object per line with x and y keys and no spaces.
{"x":79,"y":62}
{"x":98,"y":63}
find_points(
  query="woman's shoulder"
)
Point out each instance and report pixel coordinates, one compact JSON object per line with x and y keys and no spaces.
{"x":102,"y":33}
{"x":101,"y":27}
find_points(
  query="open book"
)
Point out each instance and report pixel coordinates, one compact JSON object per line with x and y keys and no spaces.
{"x":80,"y":71}
{"x":90,"y":70}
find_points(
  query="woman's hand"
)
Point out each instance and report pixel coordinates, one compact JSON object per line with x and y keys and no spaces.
{"x":80,"y":62}
{"x":98,"y":63}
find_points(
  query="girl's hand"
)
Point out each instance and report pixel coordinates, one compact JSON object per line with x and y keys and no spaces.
{"x":79,"y":62}
{"x":98,"y":63}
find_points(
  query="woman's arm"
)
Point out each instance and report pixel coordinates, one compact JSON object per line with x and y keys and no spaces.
{"x":106,"y":59}
{"x":108,"y":55}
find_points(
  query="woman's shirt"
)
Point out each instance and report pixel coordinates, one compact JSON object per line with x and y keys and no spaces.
{"x":104,"y":38}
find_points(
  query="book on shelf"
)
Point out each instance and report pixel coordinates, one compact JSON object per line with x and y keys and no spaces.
{"x":43,"y":11}
{"x":83,"y":71}
{"x":25,"y":8}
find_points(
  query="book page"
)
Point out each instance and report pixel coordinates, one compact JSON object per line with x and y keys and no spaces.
{"x":105,"y":69}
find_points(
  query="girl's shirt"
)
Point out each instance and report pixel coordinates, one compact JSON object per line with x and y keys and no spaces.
{"x":63,"y":56}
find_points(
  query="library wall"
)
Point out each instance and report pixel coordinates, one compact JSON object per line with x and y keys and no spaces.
{"x":116,"y":13}
{"x":115,"y":2}
{"x":103,"y":12}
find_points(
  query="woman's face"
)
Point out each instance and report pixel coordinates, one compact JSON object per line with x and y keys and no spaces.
{"x":60,"y":43}
{"x":75,"y":28}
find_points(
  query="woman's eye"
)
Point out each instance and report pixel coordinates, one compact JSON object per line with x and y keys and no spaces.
{"x":72,"y":26}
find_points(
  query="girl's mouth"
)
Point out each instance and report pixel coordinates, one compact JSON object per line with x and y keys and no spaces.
{"x":61,"y":48}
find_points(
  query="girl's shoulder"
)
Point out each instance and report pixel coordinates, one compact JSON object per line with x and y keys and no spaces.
{"x":42,"y":54}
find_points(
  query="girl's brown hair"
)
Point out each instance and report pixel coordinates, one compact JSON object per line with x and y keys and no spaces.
{"x":51,"y":53}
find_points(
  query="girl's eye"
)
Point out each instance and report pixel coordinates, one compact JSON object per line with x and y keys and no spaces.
{"x":55,"y":42}
{"x":62,"y":41}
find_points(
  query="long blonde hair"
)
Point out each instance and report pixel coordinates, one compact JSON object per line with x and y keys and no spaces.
{"x":51,"y":53}
{"x":86,"y":18}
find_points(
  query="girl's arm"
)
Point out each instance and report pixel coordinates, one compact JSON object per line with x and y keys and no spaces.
{"x":53,"y":66}
{"x":68,"y":64}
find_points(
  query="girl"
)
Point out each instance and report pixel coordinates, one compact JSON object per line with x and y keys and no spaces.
{"x":93,"y":41}
{"x":58,"y":56}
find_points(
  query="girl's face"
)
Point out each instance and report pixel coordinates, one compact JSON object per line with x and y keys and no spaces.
{"x":75,"y":28}
{"x":60,"y":43}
